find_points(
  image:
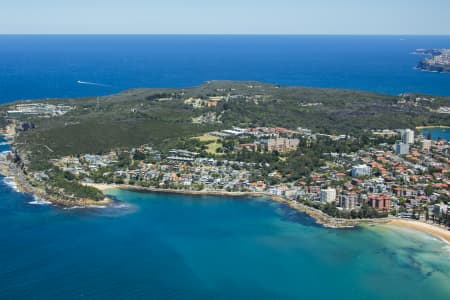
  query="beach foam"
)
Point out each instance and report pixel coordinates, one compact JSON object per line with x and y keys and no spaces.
{"x":73,"y":207}
{"x":97,"y":206}
{"x":86,"y":207}
{"x":122,"y":205}
{"x":9,"y":181}
{"x":39,"y":201}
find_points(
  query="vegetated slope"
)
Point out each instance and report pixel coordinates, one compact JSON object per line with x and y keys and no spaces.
{"x":160,"y":117}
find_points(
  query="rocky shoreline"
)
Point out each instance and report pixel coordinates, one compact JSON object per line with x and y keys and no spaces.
{"x":427,"y":66}
{"x":10,"y":169}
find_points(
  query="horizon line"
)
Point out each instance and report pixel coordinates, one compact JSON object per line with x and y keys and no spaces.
{"x":233,"y":34}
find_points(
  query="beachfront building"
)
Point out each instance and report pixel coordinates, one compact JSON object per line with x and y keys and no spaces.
{"x":348,"y":201}
{"x":439,"y":210}
{"x":379,"y":201}
{"x":408,"y":136}
{"x":328,"y":195}
{"x":361,"y":170}
{"x":401,"y":148}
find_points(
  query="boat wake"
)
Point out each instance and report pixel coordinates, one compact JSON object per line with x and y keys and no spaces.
{"x":93,"y":83}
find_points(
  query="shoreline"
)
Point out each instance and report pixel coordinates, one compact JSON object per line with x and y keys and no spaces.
{"x":8,"y":169}
{"x":434,"y":230}
{"x":320,"y":217}
{"x":431,"y":69}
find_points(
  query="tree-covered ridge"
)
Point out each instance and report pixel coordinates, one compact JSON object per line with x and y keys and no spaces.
{"x":162,"y":117}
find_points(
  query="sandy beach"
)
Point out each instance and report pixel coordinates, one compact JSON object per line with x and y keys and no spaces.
{"x":430,"y":127}
{"x":434,"y":230}
{"x":102,"y":186}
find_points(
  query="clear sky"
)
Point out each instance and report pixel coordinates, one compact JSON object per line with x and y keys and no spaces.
{"x":226,"y":16}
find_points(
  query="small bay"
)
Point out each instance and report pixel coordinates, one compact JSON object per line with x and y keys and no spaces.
{"x":437,"y":133}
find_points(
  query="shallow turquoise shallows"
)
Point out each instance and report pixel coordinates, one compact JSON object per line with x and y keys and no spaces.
{"x":161,"y":246}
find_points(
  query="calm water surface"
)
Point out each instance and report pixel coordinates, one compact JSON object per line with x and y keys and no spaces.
{"x":437,"y":133}
{"x":158,"y":246}
{"x":51,"y":66}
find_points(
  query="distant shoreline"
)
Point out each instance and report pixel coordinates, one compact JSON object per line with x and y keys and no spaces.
{"x":431,"y":127}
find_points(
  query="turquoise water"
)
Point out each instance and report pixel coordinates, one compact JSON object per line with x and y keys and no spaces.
{"x":437,"y":133}
{"x":160,"y":246}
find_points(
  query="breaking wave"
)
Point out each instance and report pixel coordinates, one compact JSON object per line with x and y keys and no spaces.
{"x":9,"y":181}
{"x":39,"y":201}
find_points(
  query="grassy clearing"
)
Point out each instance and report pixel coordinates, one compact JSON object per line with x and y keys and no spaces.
{"x":207,"y":138}
{"x":212,"y":148}
{"x":212,"y":142}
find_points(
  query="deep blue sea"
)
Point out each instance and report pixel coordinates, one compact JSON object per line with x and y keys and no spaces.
{"x":437,"y":133}
{"x":51,"y":66}
{"x":159,"y":246}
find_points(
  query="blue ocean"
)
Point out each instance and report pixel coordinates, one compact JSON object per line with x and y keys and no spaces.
{"x":161,"y":246}
{"x":52,"y":66}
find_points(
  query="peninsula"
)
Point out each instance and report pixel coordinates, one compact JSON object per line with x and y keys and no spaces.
{"x":438,"y":60}
{"x":344,"y":157}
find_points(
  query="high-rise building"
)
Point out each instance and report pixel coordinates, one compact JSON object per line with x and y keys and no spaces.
{"x":379,"y":201}
{"x":328,"y":195}
{"x":425,"y":145}
{"x":401,"y":148}
{"x":348,"y":201}
{"x":408,"y":136}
